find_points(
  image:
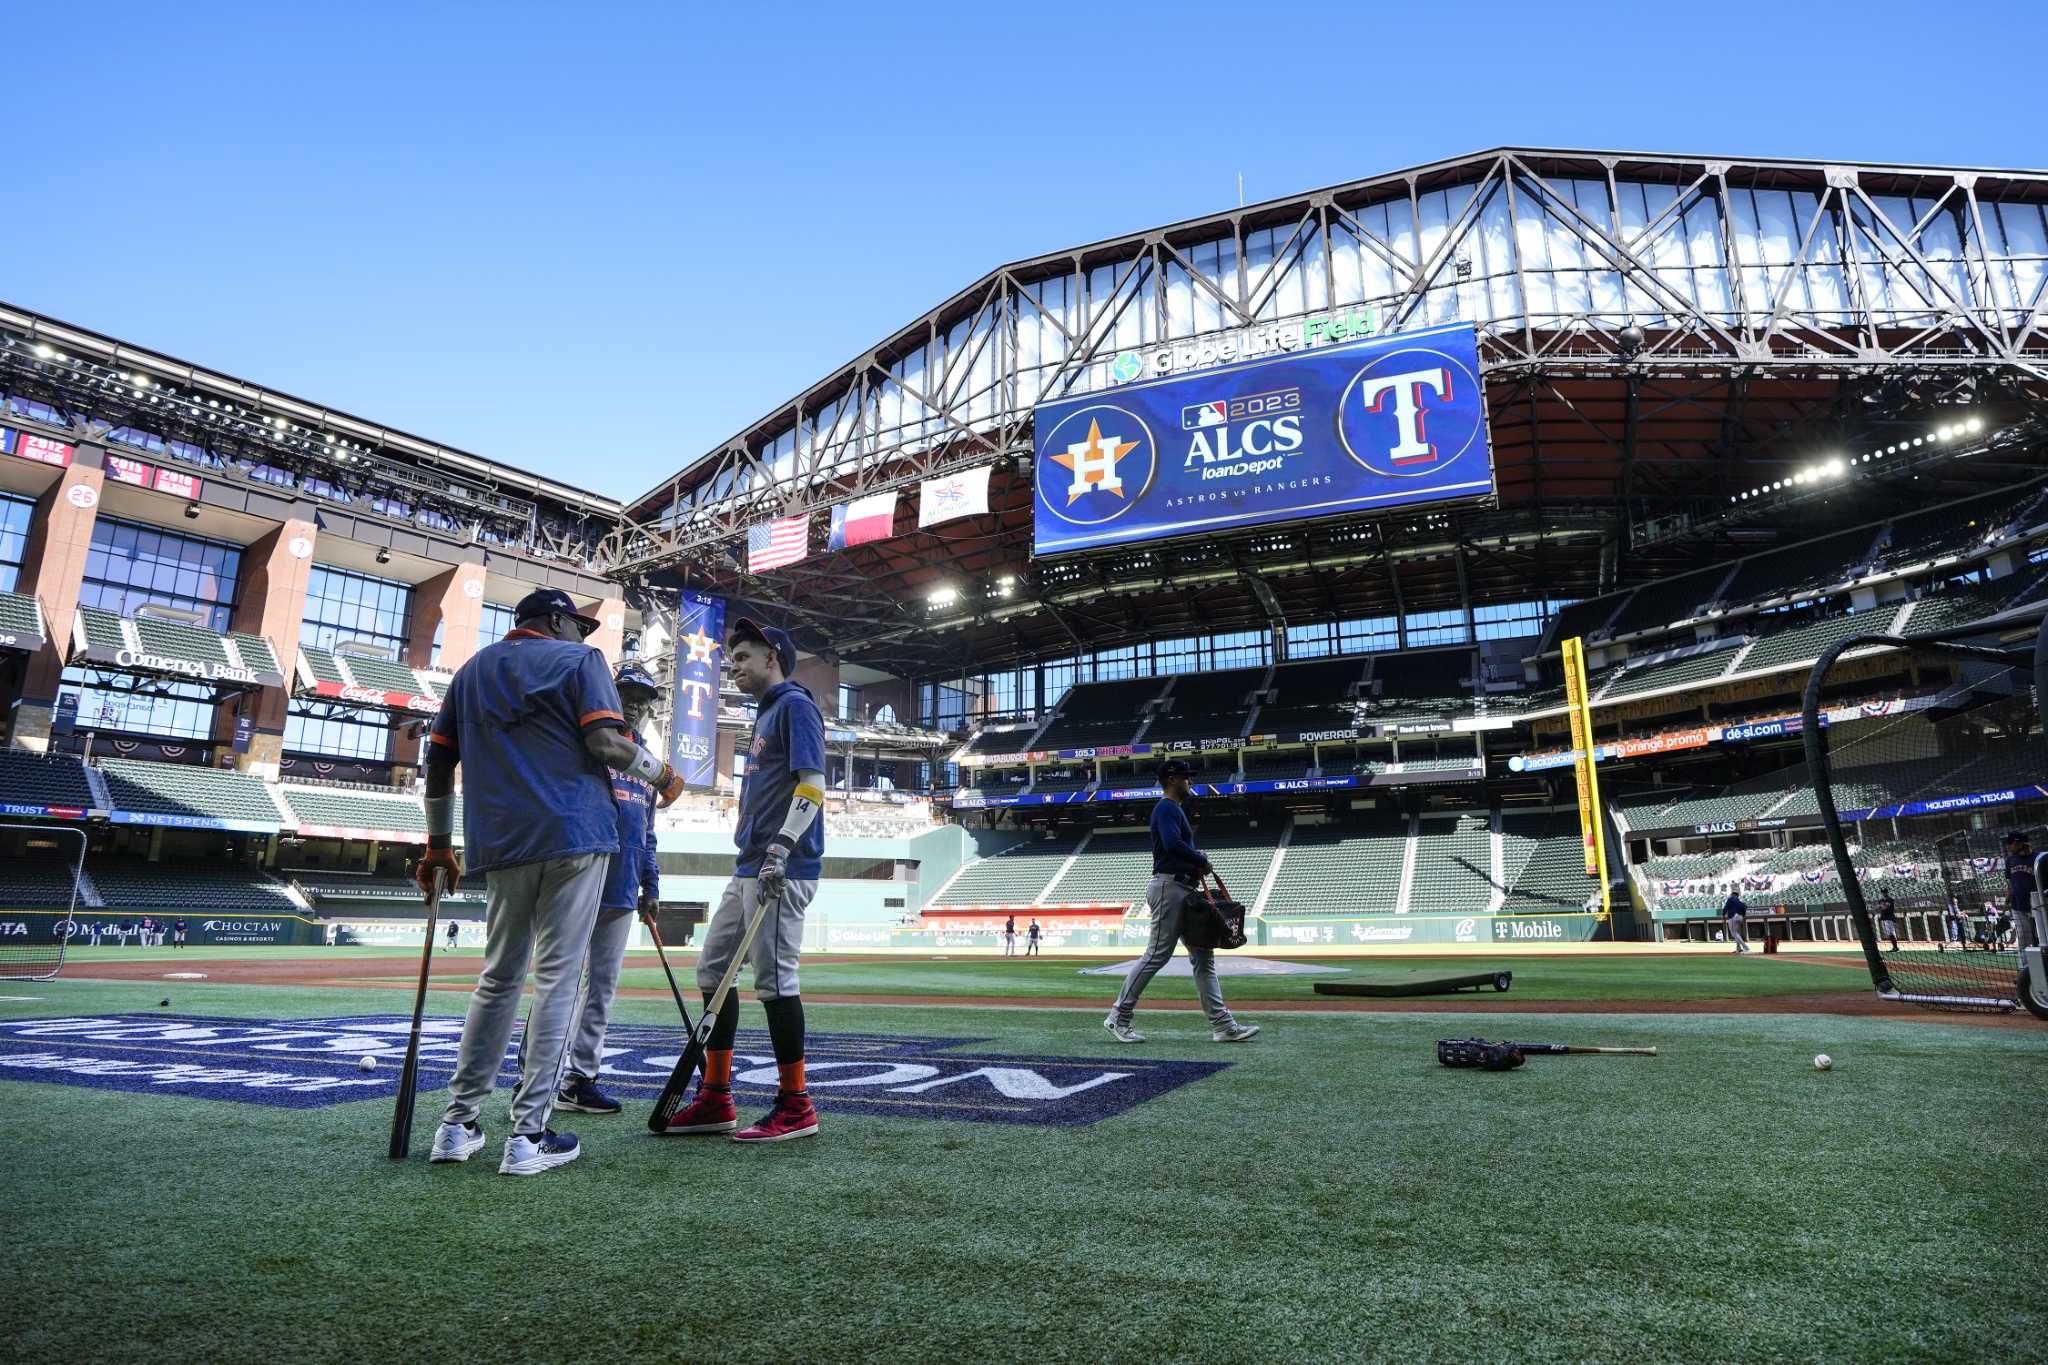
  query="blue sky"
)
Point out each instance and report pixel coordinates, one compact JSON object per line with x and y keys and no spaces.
{"x":595,"y":242}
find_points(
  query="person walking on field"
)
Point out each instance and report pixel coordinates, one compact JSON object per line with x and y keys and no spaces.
{"x":1734,"y":914}
{"x":632,"y":883}
{"x":2019,"y":888}
{"x":1031,"y":946}
{"x":781,"y":842}
{"x":1010,"y":937}
{"x":1177,"y":868}
{"x":1888,"y":919}
{"x":452,"y":931}
{"x":535,"y":723}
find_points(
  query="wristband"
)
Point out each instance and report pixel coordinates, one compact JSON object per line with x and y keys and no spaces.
{"x":645,"y":766}
{"x":440,"y":817}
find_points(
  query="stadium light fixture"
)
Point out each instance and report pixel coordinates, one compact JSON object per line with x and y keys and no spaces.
{"x":43,"y":351}
{"x":944,"y":595}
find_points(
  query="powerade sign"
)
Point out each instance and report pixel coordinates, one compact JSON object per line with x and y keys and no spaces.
{"x":1367,"y":425}
{"x":312,"y":1063}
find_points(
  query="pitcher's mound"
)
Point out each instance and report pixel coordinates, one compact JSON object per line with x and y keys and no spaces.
{"x":1225,"y":966}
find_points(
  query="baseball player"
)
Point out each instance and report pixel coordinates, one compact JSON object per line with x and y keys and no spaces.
{"x":453,"y":930}
{"x":1734,"y":914}
{"x":781,"y":841}
{"x":535,"y":723}
{"x":1031,"y":946}
{"x":1177,"y":868}
{"x":2019,"y":887}
{"x":178,"y":934}
{"x":632,"y":882}
{"x":127,"y":928}
{"x":1888,"y":919}
{"x":1010,"y":937}
{"x":96,"y":928}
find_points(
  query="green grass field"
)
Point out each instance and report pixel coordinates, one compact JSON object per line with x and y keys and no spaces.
{"x":1332,"y":1195}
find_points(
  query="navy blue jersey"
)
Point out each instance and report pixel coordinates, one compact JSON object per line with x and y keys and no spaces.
{"x":789,"y":738}
{"x":1173,"y":842}
{"x":1733,"y":906}
{"x":634,"y":872}
{"x":515,"y":717}
{"x":2019,"y":880}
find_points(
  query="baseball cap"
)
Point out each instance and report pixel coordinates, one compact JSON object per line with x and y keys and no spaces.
{"x":631,"y":674}
{"x":778,"y":640}
{"x":2016,"y":836}
{"x":1176,"y":767}
{"x":546,"y":601}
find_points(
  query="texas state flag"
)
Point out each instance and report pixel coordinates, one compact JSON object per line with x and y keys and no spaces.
{"x":863,"y":520}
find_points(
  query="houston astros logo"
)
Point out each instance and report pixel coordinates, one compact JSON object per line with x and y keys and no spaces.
{"x":1410,"y":413}
{"x":1105,"y":458}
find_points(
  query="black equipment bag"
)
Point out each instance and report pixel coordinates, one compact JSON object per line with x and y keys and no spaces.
{"x":1211,"y":920}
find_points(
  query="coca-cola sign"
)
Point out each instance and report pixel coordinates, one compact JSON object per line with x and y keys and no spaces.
{"x":377,"y":696}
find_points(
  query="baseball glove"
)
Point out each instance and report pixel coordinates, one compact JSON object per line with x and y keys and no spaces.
{"x":1477,"y":1052}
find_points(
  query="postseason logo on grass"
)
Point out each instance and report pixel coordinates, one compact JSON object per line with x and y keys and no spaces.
{"x":311,"y":1063}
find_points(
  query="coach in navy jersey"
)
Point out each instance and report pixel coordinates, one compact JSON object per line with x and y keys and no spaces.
{"x":2019,"y":887}
{"x":781,"y":842}
{"x":632,"y":883}
{"x":534,"y":722}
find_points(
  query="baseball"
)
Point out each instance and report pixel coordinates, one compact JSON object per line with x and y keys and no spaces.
{"x":1821,"y":1061}
{"x":370,"y":1063}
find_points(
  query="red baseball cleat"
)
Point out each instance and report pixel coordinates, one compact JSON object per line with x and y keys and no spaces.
{"x":792,"y":1117}
{"x":710,"y":1111}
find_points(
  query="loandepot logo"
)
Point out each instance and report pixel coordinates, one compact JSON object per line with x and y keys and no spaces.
{"x":1098,"y":461}
{"x":311,"y":1063}
{"x":1410,"y":413}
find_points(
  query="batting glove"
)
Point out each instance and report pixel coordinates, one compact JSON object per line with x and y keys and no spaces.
{"x":444,"y":861}
{"x":649,"y":903}
{"x":774,"y":873}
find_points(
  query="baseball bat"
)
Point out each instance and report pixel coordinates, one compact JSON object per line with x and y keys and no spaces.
{"x":671,"y":1098}
{"x":409,"y":1074}
{"x":1565,"y":1049}
{"x":661,"y":951}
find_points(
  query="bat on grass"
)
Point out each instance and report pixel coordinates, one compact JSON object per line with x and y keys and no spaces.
{"x":671,"y":1099}
{"x":1564,"y":1049}
{"x":408,"y":1076}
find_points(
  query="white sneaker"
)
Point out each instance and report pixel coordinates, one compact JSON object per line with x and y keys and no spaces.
{"x":531,"y":1156}
{"x":1122,"y":1031}
{"x":1233,"y":1033}
{"x":456,"y":1141}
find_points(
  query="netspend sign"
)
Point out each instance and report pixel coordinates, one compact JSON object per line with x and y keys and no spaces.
{"x":1374,"y":424}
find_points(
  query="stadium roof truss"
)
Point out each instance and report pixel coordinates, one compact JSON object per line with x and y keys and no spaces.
{"x":1656,"y":333}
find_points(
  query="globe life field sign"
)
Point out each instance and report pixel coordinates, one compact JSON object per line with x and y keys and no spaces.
{"x":1375,"y":424}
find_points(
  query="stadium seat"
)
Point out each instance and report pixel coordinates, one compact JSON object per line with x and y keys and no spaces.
{"x":1340,"y":870}
{"x":35,"y":779}
{"x":1543,"y":863}
{"x":135,"y":883}
{"x":1206,"y":706}
{"x":178,"y":789}
{"x":1453,"y":865}
{"x":1014,"y":876}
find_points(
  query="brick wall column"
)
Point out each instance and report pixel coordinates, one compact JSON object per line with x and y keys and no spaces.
{"x":53,"y":566}
{"x":610,"y":636}
{"x":271,"y":602}
{"x":453,"y":601}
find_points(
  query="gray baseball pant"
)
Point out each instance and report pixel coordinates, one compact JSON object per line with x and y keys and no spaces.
{"x":776,"y":947}
{"x":540,"y":912}
{"x":1163,"y":896}
{"x":600,"y":984}
{"x":1736,"y":935}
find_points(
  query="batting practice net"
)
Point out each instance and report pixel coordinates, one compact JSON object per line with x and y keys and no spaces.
{"x":44,"y":866}
{"x":1916,"y":795}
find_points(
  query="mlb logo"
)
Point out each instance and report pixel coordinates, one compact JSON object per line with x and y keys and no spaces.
{"x":1199,"y":415}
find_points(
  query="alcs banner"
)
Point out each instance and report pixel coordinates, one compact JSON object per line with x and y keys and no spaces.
{"x":1372,"y":424}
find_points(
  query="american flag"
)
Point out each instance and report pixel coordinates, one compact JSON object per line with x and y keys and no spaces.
{"x":782,"y":541}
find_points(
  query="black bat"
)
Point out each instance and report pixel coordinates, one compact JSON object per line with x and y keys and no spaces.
{"x":671,"y":1099}
{"x":661,"y":951}
{"x":408,"y":1076}
{"x":1562,"y":1049}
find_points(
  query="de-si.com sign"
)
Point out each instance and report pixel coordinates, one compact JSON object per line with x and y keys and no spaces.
{"x":1374,"y":424}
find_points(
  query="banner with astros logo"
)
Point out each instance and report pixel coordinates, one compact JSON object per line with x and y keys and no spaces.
{"x":1373,"y":424}
{"x":693,"y":715}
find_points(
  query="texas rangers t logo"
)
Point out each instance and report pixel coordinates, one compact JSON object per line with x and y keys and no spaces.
{"x":1411,"y":412}
{"x":1406,"y":390}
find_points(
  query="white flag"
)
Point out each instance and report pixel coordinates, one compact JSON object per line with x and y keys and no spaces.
{"x":957,"y":495}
